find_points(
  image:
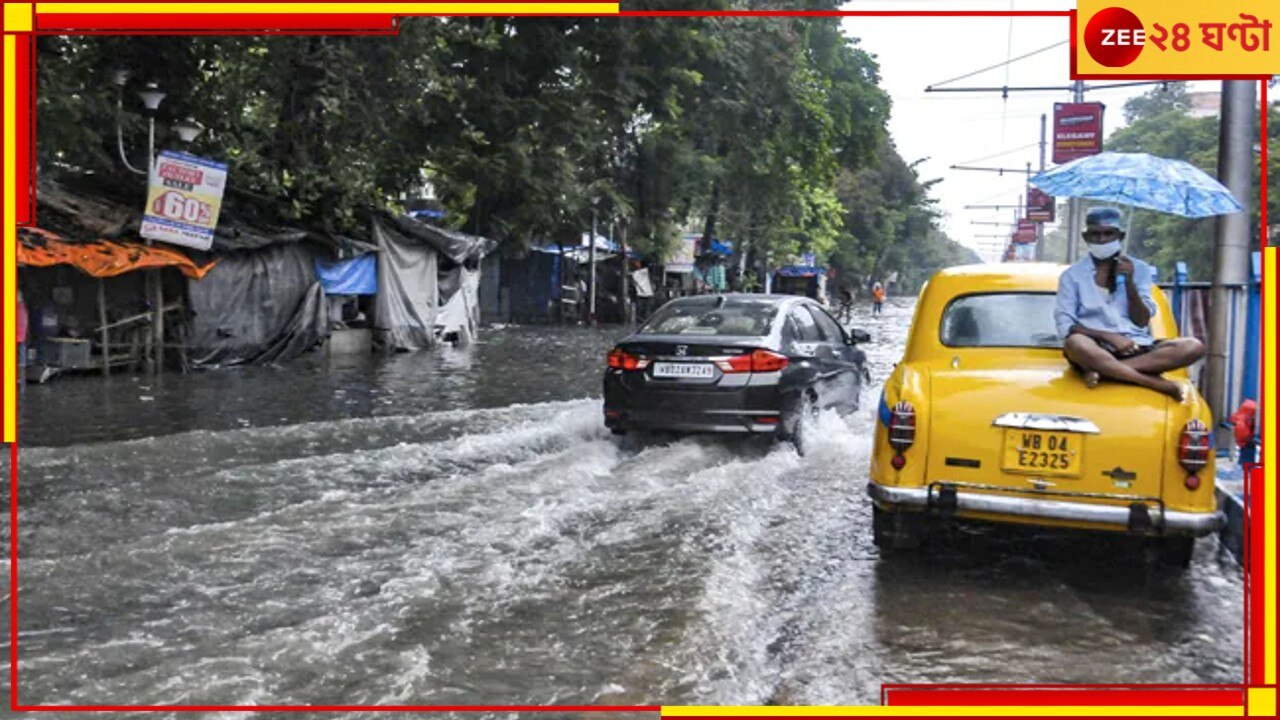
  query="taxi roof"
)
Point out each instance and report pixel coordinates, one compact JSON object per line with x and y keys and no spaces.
{"x":1020,"y":275}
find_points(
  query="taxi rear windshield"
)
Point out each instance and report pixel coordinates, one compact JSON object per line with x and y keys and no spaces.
{"x":1000,"y":320}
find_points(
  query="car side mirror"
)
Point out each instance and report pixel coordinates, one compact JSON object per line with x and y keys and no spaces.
{"x":858,"y":336}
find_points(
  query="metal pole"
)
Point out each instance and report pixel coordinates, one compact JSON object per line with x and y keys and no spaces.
{"x":1040,"y":226}
{"x":1073,"y":205}
{"x":591,"y":282}
{"x":157,"y":286}
{"x":1231,"y":249}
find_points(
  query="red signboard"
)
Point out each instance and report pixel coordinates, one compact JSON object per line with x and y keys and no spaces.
{"x":1077,"y":130}
{"x":1039,"y":206}
{"x":1026,"y":232}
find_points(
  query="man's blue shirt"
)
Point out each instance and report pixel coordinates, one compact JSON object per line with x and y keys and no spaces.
{"x":1082,"y":302}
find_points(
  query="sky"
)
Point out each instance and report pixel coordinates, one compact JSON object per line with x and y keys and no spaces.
{"x":980,"y":129}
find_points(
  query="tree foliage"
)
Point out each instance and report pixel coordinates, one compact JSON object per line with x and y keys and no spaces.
{"x":768,"y":131}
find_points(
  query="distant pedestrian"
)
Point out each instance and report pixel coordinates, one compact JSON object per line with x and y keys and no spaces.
{"x":845,"y":312}
{"x":877,"y":299}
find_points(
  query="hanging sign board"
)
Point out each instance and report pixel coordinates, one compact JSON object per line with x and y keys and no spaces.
{"x":1077,"y":130}
{"x":1039,"y":205}
{"x":183,"y":200}
{"x":1025,"y":232}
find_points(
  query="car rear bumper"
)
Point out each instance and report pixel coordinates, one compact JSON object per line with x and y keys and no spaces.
{"x":746,"y":409}
{"x":1119,"y":517}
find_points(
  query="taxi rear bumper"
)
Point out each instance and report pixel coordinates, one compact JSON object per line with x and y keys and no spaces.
{"x":1124,"y":513}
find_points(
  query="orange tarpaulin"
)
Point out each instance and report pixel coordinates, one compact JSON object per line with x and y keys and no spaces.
{"x":104,"y":258}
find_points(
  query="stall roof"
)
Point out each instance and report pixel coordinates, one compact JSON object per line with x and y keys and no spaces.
{"x":78,"y":217}
{"x":453,"y":244}
{"x":101,"y":258}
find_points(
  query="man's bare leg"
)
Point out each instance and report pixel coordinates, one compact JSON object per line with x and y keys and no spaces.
{"x":1168,"y":355}
{"x":1088,"y":354}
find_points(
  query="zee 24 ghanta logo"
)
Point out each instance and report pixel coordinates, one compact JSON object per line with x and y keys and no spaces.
{"x":1115,"y":37}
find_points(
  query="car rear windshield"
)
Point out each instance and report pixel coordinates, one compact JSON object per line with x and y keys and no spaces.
{"x":1000,"y":320}
{"x":711,"y":316}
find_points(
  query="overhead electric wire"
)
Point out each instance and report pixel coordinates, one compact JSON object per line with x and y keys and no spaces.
{"x":998,"y":65}
{"x":1005,"y":152}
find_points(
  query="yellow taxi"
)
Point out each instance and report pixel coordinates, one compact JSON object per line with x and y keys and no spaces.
{"x":983,"y":419}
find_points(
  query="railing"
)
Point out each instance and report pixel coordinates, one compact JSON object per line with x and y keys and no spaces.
{"x":1190,"y":302}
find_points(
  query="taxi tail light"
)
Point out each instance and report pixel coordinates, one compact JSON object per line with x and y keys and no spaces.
{"x":620,"y":359}
{"x":754,"y":361}
{"x":902,"y":426}
{"x":1193,"y":451}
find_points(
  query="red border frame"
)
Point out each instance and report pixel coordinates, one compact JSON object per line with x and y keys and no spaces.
{"x":384,"y":24}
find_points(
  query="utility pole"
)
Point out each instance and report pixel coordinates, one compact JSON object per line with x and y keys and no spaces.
{"x":1040,"y":226}
{"x":1231,"y":247}
{"x":1073,"y":204}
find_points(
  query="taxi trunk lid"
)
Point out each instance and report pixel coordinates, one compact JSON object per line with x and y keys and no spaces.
{"x":1042,"y":430}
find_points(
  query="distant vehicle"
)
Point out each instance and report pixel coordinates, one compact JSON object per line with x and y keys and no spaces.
{"x":733,"y":364}
{"x":984,"y":419}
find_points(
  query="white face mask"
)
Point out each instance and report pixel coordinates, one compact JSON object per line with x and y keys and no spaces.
{"x":1102,"y":251}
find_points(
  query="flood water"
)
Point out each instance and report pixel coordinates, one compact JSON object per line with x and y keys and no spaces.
{"x":457,"y":527}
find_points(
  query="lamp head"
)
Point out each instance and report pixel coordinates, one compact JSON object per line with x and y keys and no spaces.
{"x":151,"y":96}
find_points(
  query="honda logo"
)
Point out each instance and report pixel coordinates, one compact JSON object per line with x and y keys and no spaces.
{"x":682,"y":350}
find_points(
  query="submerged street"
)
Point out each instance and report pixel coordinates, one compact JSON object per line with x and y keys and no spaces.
{"x":458,"y":527}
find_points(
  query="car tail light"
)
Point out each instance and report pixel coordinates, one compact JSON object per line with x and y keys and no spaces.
{"x":1193,"y":451}
{"x":902,"y":432}
{"x":754,"y":361}
{"x":902,"y":426}
{"x":620,"y":359}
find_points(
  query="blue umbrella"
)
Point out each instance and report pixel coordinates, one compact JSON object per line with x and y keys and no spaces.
{"x":1140,"y":180}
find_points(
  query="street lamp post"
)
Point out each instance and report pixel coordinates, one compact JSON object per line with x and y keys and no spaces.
{"x":188,"y":130}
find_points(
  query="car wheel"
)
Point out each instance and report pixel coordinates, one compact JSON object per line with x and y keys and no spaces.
{"x":897,"y":531}
{"x":1175,"y":552}
{"x":800,"y":423}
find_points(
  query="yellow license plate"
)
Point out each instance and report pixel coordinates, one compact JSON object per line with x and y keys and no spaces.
{"x":1042,"y":453}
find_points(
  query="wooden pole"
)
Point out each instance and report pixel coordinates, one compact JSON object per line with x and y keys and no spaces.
{"x":157,"y":325}
{"x":148,"y":356}
{"x":106,"y":334}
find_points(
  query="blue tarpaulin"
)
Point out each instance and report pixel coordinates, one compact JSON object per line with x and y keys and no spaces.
{"x":801,"y":271}
{"x":357,"y":276}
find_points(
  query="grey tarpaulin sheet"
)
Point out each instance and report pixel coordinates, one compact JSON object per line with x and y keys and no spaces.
{"x":457,"y":246}
{"x":259,"y":306}
{"x":407,"y":289}
{"x":460,"y":304}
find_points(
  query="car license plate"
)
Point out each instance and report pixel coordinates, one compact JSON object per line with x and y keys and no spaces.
{"x":1042,"y":453}
{"x":683,"y":370}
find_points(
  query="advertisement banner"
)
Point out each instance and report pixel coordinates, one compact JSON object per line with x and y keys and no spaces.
{"x":183,"y":200}
{"x":1182,"y":39}
{"x":1040,"y":205}
{"x":1077,"y":130}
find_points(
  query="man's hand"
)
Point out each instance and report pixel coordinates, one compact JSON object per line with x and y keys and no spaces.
{"x":1124,"y":266}
{"x":1124,"y":346}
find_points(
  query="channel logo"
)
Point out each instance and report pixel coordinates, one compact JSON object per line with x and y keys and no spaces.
{"x":1114,"y":37}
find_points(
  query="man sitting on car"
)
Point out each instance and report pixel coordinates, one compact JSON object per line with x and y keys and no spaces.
{"x":1104,"y":310}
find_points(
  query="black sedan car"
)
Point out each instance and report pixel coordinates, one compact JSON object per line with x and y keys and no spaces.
{"x":733,"y":364}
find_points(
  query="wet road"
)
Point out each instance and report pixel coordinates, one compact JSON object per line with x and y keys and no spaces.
{"x":457,"y":527}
